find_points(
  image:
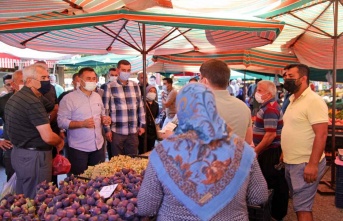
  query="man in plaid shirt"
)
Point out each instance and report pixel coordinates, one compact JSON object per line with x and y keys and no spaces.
{"x":123,"y":102}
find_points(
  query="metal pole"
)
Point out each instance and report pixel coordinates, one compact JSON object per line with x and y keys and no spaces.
{"x":144,"y":52}
{"x":334,"y":75}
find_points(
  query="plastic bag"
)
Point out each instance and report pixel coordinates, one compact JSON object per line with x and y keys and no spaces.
{"x":9,"y":187}
{"x":60,"y":165}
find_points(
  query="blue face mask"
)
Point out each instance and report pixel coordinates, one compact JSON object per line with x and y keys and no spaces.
{"x":124,"y":75}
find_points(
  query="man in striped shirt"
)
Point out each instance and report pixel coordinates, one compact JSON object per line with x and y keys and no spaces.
{"x":123,"y":102}
{"x":266,"y":138}
{"x":28,"y":128}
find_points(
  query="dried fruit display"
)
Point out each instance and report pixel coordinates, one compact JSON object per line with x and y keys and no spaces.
{"x":116,"y":163}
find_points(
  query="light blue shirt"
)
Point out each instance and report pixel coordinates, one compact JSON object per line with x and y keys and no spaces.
{"x":59,"y":90}
{"x":77,"y":106}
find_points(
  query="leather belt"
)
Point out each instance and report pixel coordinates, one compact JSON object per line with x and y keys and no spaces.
{"x":40,"y":148}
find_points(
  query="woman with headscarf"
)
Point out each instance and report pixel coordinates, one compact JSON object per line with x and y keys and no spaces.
{"x":202,"y":172}
{"x":152,"y":111}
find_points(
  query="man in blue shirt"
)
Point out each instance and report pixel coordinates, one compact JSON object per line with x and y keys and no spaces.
{"x":81,"y":112}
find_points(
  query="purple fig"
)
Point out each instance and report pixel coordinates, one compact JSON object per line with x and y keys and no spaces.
{"x":102,"y":217}
{"x":90,"y":201}
{"x":113,"y":217}
{"x":133,"y":200}
{"x":61,"y":213}
{"x":104,"y":208}
{"x":90,"y":191}
{"x":96,"y":195}
{"x":93,"y":218}
{"x":83,"y":216}
{"x":72,"y":196}
{"x":129,"y":215}
{"x":111,"y":212}
{"x":129,"y":195}
{"x":66,"y":202}
{"x":80,"y":210}
{"x":75,"y":205}
{"x":116,"y":201}
{"x":125,"y":171}
{"x":7,"y":215}
{"x":65,"y":219}
{"x":95,"y":211}
{"x":59,"y":205}
{"x":130,"y":206}
{"x":121,"y":211}
{"x":70,"y":212}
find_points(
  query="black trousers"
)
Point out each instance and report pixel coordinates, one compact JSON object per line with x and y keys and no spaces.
{"x":80,"y":160}
{"x":275,"y":180}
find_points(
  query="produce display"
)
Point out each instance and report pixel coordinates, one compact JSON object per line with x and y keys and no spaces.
{"x":338,"y":117}
{"x":108,"y":168}
{"x":77,"y":199}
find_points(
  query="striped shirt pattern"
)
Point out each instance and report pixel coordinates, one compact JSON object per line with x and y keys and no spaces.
{"x":23,"y":113}
{"x":268,"y":119}
{"x":125,"y":105}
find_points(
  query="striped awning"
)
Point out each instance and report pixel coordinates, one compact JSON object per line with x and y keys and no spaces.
{"x":8,"y":61}
{"x":121,"y":32}
{"x":309,"y":31}
{"x":22,"y":8}
{"x":257,"y":60}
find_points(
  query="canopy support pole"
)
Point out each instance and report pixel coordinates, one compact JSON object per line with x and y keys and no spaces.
{"x":334,"y":76}
{"x":144,"y":53}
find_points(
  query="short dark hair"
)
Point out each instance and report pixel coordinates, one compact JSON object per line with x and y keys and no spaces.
{"x":152,"y":76}
{"x":112,"y":69}
{"x":74,"y":76}
{"x":169,"y":80}
{"x":6,"y":77}
{"x":124,"y":62}
{"x":193,"y":79}
{"x":85,"y":69}
{"x":216,"y":72}
{"x":303,"y":70}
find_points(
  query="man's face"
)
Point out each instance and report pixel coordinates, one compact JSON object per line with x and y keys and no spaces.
{"x":75,"y":81}
{"x":291,"y":74}
{"x":88,"y":76}
{"x":152,"y":81}
{"x":262,"y":89}
{"x":124,"y":68}
{"x":8,"y":86}
{"x":18,"y":80}
{"x":167,"y":84}
{"x":113,"y":73}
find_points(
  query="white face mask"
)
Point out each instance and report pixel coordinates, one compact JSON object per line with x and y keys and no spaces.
{"x":20,"y":86}
{"x":151,"y":96}
{"x":258,"y":97}
{"x":113,"y":78}
{"x":89,"y":85}
{"x":125,"y":76}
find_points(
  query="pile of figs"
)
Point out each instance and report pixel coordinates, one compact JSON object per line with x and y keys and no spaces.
{"x":78,"y":199}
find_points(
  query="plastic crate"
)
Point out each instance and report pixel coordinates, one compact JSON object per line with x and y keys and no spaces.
{"x":261,"y":212}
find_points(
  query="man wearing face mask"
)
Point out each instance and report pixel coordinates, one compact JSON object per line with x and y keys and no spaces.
{"x":303,"y":139}
{"x":5,"y":144}
{"x":266,"y":138}
{"x":123,"y":102}
{"x":82,"y":113}
{"x":28,"y":128}
{"x":168,"y":100}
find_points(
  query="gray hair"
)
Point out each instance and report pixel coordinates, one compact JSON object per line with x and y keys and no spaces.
{"x":31,"y":71}
{"x":271,"y":88}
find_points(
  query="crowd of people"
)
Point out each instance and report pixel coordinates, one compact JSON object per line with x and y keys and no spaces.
{"x":216,"y":161}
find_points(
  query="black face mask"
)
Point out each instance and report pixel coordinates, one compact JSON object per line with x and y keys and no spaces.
{"x":291,"y":86}
{"x":45,"y":87}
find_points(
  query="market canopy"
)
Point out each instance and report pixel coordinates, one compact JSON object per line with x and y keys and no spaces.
{"x":309,"y":31}
{"x":20,"y":8}
{"x":257,"y":60}
{"x":95,"y":60}
{"x":121,"y":32}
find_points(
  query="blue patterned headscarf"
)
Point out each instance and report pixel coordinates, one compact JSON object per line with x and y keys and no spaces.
{"x":201,"y":164}
{"x":197,"y":111}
